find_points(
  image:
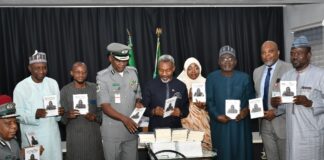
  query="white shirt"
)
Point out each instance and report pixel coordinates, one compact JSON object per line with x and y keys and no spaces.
{"x":264,"y":75}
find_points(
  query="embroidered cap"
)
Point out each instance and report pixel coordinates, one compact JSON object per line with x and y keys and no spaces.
{"x":227,"y":50}
{"x":38,"y":57}
{"x":300,"y":42}
{"x":119,"y":51}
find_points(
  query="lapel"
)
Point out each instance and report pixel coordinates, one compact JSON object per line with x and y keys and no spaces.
{"x":259,"y":78}
{"x":276,"y":74}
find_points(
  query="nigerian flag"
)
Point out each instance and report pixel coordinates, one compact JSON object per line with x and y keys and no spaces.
{"x":158,"y":51}
{"x":131,"y":61}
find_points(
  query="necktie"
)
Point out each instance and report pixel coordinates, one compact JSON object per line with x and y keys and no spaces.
{"x":266,"y":89}
{"x":167,"y":91}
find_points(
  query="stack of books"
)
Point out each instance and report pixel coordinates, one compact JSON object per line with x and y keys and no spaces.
{"x":163,"y":135}
{"x":179,"y":135}
{"x":196,"y":136}
{"x":146,"y":137}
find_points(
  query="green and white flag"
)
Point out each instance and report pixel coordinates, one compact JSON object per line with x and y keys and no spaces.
{"x":158,"y":51}
{"x":131,"y":61}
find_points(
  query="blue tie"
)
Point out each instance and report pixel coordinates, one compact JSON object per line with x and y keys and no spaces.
{"x":266,"y":89}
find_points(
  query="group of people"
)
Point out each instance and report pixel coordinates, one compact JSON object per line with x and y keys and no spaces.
{"x":289,"y":131}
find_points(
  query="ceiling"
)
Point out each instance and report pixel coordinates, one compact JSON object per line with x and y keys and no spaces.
{"x":153,"y":3}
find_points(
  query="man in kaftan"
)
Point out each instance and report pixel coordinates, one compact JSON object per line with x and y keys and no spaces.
{"x":28,"y":96}
{"x":305,"y":116}
{"x":231,"y":138}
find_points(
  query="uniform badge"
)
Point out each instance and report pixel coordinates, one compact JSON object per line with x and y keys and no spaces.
{"x":115,"y":86}
{"x":134,"y":85}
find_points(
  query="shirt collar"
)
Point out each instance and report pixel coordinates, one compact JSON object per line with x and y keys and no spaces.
{"x":273,"y":66}
{"x":113,"y":71}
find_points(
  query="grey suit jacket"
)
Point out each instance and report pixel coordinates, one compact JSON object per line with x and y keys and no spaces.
{"x":278,"y":123}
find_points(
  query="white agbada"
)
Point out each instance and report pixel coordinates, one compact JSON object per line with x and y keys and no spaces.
{"x":305,"y":126}
{"x":28,"y":97}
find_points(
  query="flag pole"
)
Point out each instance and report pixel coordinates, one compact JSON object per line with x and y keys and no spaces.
{"x":158,"y":50}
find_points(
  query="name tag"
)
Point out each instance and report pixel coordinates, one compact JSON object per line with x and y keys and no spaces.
{"x":117,"y":98}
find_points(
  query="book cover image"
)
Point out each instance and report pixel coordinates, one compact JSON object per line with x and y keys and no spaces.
{"x":81,"y":103}
{"x":32,"y":153}
{"x":32,"y":139}
{"x":198,"y":92}
{"x":288,"y":91}
{"x":169,"y":106}
{"x":137,"y":114}
{"x":256,"y":108}
{"x":51,"y":105}
{"x":232,"y":108}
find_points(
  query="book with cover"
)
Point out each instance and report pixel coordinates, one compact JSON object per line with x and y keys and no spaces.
{"x":179,"y":134}
{"x":256,"y":108}
{"x":147,"y":137}
{"x":288,"y":91}
{"x":32,"y":139}
{"x":162,"y":134}
{"x":232,"y":108}
{"x":80,"y":102}
{"x":32,"y":153}
{"x":50,"y":104}
{"x":197,"y":136}
{"x":137,"y":114}
{"x":198,"y":92}
{"x":169,"y":106}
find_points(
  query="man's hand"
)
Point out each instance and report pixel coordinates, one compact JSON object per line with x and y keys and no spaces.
{"x":223,"y":118}
{"x":176,"y":112}
{"x":269,"y":115}
{"x":139,"y":105}
{"x":303,"y":100}
{"x":130,"y":124}
{"x":73,"y":114}
{"x":243,"y":113}
{"x":190,"y":94}
{"x":158,"y":111}
{"x":90,"y":116}
{"x":40,"y":113}
{"x":61,"y":111}
{"x":275,"y":102}
{"x":41,"y":150}
{"x":200,"y":105}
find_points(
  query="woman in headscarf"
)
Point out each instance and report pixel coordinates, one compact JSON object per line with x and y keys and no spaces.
{"x":198,"y":118}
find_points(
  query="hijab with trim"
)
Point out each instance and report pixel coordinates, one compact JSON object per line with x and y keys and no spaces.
{"x":183,"y":76}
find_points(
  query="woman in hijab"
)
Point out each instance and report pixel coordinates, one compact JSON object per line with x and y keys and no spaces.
{"x":198,"y":118}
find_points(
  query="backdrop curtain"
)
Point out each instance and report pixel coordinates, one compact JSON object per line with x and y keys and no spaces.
{"x":71,"y":34}
{"x":82,"y":34}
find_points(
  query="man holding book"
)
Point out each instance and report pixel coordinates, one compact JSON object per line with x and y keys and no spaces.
{"x":305,"y":115}
{"x":83,"y":137}
{"x":28,"y":96}
{"x":266,"y":81}
{"x":118,"y":94}
{"x":158,"y":90}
